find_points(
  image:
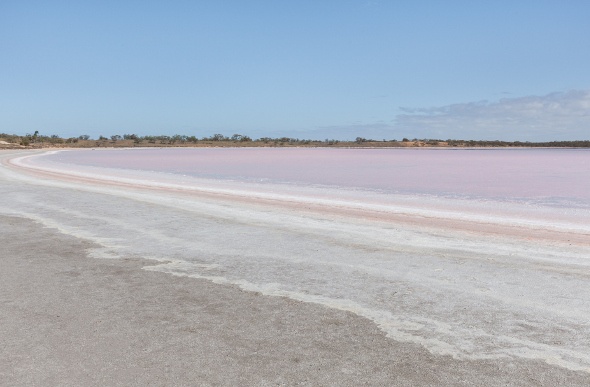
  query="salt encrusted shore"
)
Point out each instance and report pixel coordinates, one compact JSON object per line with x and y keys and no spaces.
{"x":78,"y":307}
{"x":67,"y":319}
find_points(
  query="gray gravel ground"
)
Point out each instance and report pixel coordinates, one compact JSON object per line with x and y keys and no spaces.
{"x":70,"y":320}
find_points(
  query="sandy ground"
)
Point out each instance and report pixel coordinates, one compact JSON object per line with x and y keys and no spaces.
{"x":67,"y":319}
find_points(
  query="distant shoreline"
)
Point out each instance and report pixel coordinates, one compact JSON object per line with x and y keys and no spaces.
{"x":18,"y":142}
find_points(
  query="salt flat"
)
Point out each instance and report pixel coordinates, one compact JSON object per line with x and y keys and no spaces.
{"x":472,"y":283}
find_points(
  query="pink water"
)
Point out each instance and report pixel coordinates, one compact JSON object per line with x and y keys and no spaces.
{"x":544,"y":176}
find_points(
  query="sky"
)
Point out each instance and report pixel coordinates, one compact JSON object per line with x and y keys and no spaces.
{"x":481,"y":70}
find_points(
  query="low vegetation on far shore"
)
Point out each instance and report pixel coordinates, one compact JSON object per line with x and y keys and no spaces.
{"x":37,"y":140}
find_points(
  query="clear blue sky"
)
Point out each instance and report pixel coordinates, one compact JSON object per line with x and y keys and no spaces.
{"x":509,"y":70}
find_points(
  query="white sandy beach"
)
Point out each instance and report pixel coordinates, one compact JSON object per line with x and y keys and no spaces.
{"x":119,"y":279}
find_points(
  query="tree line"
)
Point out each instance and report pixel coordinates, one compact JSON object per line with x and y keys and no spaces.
{"x":37,"y":139}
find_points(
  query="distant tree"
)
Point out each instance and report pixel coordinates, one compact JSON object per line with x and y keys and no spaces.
{"x":84,"y":137}
{"x":178,"y":138}
{"x":115,"y":137}
{"x":55,"y":139}
{"x":218,"y":137}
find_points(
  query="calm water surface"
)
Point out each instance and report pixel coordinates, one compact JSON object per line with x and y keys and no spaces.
{"x":549,"y":176}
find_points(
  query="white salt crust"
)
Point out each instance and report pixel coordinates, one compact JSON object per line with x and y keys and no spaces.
{"x":473,"y":279}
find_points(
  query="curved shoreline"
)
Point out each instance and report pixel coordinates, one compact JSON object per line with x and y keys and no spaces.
{"x":89,"y":321}
{"x":99,"y":200}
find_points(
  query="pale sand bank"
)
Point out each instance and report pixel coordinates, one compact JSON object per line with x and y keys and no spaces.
{"x":66,"y":319}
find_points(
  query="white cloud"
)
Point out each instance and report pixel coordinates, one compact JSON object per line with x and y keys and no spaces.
{"x":552,"y":117}
{"x":555,"y":116}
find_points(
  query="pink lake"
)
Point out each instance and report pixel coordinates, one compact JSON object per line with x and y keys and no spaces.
{"x":543,"y":176}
